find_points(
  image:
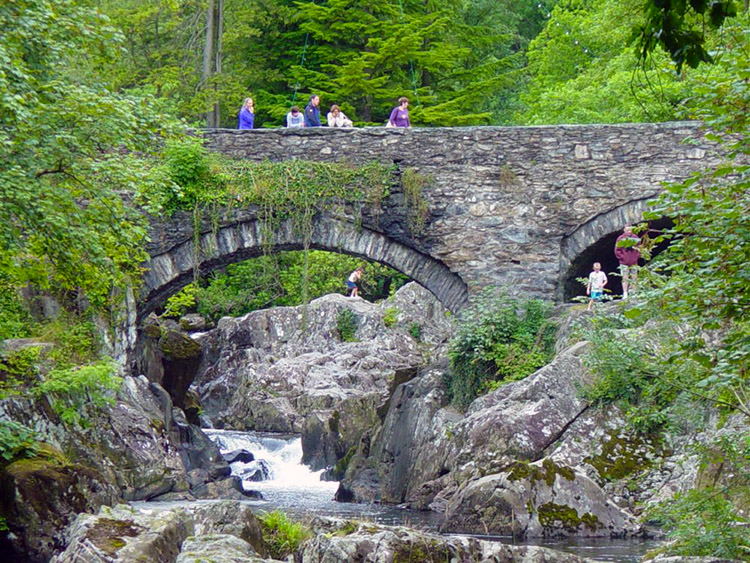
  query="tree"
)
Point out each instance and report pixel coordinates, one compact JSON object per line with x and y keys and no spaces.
{"x":68,"y":145}
{"x":581,"y":70}
{"x":366,"y":54}
{"x":680,"y":27}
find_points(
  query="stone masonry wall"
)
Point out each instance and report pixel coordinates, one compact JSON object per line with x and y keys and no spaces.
{"x":504,"y":200}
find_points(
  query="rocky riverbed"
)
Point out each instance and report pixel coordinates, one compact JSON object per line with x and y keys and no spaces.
{"x":531,"y":459}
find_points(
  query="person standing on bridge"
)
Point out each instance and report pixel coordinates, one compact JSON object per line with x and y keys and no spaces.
{"x":312,"y":113}
{"x":400,"y":114}
{"x":246,"y":117}
{"x":351,"y":281}
{"x":628,"y":253}
{"x":295,"y":119}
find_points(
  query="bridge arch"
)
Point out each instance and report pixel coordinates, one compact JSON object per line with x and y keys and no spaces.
{"x":594,"y":241}
{"x":172,"y":269}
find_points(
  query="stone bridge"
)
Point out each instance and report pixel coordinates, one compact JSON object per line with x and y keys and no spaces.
{"x":518,"y":207}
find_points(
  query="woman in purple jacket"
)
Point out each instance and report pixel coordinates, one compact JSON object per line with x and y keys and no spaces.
{"x":400,"y":114}
{"x":247,"y":115}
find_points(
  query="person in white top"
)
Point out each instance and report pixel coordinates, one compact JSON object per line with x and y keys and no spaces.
{"x":351,"y":282}
{"x":336,"y":118}
{"x":597,"y":281}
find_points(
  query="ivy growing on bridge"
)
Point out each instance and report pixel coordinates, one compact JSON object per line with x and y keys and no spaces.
{"x":294,"y":191}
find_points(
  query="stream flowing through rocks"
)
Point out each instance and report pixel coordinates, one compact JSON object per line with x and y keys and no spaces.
{"x":288,"y":485}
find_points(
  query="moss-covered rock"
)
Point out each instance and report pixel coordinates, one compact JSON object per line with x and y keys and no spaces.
{"x":39,"y":497}
{"x":109,"y":534}
{"x":623,"y":454}
{"x":555,"y":516}
{"x":547,"y":473}
{"x":177,"y":345}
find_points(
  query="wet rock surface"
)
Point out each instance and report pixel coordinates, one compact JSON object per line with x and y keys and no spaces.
{"x":228,"y":531}
{"x":140,"y":448}
{"x":288,"y":370}
{"x":489,"y":470}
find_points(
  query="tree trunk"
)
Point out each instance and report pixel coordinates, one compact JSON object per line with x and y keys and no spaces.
{"x":218,"y":53}
{"x":209,"y":55}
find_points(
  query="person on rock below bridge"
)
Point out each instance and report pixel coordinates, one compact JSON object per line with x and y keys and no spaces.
{"x":351,"y":281}
{"x":627,"y":254}
{"x":595,"y":287}
{"x":246,"y":116}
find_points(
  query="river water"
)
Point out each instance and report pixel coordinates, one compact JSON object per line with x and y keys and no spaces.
{"x":296,"y":490}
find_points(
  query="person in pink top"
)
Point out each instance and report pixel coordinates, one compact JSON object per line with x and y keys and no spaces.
{"x":400,"y":114}
{"x":627,"y":253}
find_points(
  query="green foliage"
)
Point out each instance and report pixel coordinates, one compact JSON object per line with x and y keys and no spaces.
{"x":75,"y":341}
{"x":16,"y":441}
{"x":415,"y":331}
{"x":498,"y":340}
{"x":675,"y":27}
{"x":417,"y":209}
{"x":282,"y":535}
{"x":391,"y":317}
{"x":68,"y":146}
{"x":698,"y":289}
{"x":460,"y":57}
{"x":346,"y":324}
{"x":279,"y":279}
{"x":704,"y":522}
{"x":182,"y":302}
{"x":72,"y":389}
{"x":15,"y":321}
{"x":582,"y":72}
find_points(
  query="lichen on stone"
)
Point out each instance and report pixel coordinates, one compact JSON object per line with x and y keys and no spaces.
{"x":625,"y":455}
{"x":547,"y":473}
{"x":553,"y":515}
{"x":107,"y":534}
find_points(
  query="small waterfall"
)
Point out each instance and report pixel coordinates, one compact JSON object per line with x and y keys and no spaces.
{"x":279,"y":457}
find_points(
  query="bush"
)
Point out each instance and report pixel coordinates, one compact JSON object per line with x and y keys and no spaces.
{"x":346,"y":324}
{"x":15,"y":321}
{"x":703,"y":522}
{"x":18,"y":370}
{"x":75,"y":342}
{"x":181,"y":302}
{"x":16,"y":441}
{"x":71,"y":390}
{"x":282,"y":535}
{"x":498,"y":340}
{"x":415,"y":331}
{"x":390,"y":318}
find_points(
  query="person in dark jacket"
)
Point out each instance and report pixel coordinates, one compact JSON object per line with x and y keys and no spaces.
{"x":247,"y":115}
{"x":627,"y":253}
{"x":312,"y":113}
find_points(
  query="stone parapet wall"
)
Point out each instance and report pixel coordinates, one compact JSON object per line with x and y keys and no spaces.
{"x":503,"y":200}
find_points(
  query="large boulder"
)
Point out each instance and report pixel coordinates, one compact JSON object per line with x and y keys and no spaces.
{"x":408,"y":450}
{"x":382,"y":544}
{"x":491,"y":470}
{"x":288,"y":370}
{"x":168,"y":356}
{"x":124,"y":534}
{"x":534,"y":500}
{"x":140,"y":448}
{"x":40,"y":497}
{"x":227,"y":529}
